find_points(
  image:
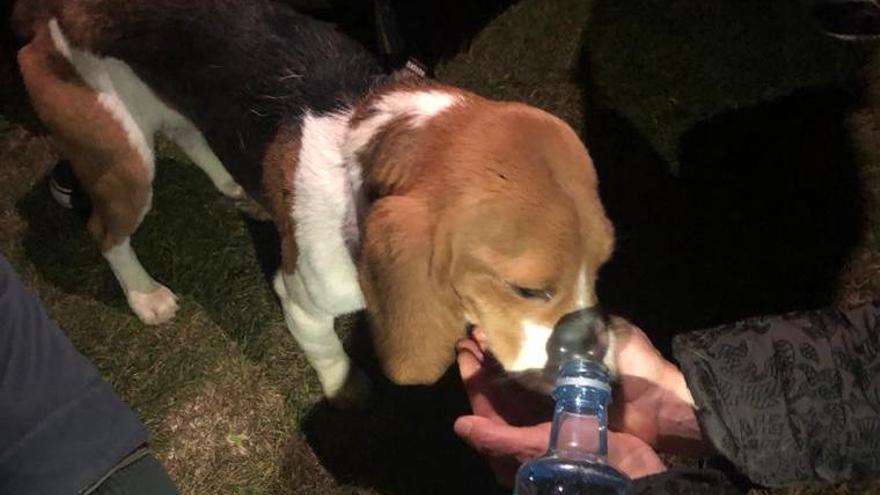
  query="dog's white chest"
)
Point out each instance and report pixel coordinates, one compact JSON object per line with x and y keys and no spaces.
{"x":325,"y":215}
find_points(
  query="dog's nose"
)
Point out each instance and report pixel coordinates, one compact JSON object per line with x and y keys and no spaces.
{"x":581,"y":333}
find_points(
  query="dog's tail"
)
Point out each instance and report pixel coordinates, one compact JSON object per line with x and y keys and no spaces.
{"x":28,"y":13}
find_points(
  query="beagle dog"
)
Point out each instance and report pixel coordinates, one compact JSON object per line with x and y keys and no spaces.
{"x":435,"y":209}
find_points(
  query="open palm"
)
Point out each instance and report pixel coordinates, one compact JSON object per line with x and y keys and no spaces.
{"x":511,"y":425}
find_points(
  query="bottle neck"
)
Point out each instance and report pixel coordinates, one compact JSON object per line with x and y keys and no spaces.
{"x":580,"y":427}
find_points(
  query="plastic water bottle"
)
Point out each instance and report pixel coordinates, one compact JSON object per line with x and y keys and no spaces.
{"x":576,"y":461}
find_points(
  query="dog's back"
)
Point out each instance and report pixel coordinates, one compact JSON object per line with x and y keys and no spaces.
{"x":235,"y":69}
{"x":231,"y":82}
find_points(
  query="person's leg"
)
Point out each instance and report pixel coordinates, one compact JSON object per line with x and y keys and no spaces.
{"x":144,"y":476}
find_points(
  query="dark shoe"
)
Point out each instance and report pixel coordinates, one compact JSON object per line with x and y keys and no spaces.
{"x":850,"y":20}
{"x":65,"y":188}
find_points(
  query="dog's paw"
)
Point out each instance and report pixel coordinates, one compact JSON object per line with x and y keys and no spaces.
{"x":232,"y":190}
{"x":243,"y":202}
{"x":251,"y":208}
{"x":355,"y":392}
{"x":153,"y":308}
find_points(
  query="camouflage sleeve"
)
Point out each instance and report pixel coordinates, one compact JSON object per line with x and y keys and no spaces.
{"x":790,"y":398}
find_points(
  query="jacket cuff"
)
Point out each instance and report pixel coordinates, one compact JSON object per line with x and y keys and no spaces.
{"x":735,"y":375}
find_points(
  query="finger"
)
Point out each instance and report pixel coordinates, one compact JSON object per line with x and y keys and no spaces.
{"x":476,"y":381}
{"x":500,"y":440}
{"x":493,"y":396}
{"x":633,"y":456}
{"x":636,"y":356}
{"x":480,"y":337}
{"x":470,"y":359}
{"x":471,"y":347}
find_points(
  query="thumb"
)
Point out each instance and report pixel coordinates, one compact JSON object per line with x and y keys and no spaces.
{"x":499,"y":440}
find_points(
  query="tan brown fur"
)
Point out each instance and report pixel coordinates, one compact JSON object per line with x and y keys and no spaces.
{"x":484,"y":194}
{"x":110,"y":169}
{"x":279,"y":168}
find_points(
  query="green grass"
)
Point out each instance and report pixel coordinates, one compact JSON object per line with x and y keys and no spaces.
{"x":638,"y":80}
{"x":686,"y":61}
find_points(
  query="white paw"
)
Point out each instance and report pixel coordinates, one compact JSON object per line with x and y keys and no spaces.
{"x":153,"y":307}
{"x":354,"y":391}
{"x":231,"y":190}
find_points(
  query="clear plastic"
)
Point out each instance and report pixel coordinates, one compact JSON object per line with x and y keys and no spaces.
{"x":576,"y":461}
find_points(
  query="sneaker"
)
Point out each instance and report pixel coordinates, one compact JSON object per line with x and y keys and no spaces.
{"x":65,"y":188}
{"x":853,"y":20}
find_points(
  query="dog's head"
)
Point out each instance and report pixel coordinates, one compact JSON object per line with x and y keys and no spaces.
{"x":485,"y":214}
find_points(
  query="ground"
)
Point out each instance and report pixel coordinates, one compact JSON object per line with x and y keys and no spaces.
{"x":739,"y":158}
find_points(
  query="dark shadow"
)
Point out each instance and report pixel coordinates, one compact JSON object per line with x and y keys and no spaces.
{"x":58,"y":245}
{"x":431,"y":31}
{"x":439,"y":29}
{"x":404,"y":443}
{"x":775,"y":205}
{"x":14,"y":104}
{"x":267,"y":246}
{"x":760,"y":219}
{"x":647,"y":279}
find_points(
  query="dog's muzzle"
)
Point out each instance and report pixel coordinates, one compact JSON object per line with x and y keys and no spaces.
{"x":582,"y":333}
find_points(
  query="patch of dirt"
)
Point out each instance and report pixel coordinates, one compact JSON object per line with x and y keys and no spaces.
{"x":227,"y":435}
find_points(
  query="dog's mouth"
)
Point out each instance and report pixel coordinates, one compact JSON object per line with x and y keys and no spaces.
{"x":539,"y":380}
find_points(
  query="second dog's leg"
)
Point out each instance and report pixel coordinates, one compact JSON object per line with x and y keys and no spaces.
{"x":193,"y":143}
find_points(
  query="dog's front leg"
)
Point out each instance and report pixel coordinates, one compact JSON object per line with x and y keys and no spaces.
{"x":344,"y":384}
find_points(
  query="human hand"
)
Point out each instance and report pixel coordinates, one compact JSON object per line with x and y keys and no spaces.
{"x":651,"y":397}
{"x":510,"y":424}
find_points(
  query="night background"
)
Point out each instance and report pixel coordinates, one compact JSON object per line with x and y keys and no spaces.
{"x":738,"y":155}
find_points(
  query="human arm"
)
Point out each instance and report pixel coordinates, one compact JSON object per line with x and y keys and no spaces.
{"x":790,"y":398}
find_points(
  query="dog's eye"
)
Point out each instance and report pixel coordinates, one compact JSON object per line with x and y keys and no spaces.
{"x":526,"y":293}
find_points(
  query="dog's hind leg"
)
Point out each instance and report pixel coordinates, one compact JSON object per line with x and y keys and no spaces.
{"x":193,"y":143}
{"x":112,"y":158}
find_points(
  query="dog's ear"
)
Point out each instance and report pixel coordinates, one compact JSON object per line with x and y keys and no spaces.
{"x":405,"y":282}
{"x":603,"y":236}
